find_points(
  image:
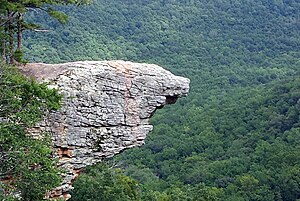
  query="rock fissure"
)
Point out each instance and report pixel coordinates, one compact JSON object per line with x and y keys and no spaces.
{"x":106,"y":109}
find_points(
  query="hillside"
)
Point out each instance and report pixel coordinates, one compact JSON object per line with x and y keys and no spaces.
{"x":236,"y":136}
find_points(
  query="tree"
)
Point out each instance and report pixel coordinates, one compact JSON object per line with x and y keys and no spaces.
{"x":27,"y":168}
{"x":103,"y":183}
{"x":12,"y":22}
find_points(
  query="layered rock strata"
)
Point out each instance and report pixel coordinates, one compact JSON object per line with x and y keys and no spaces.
{"x":106,"y":109}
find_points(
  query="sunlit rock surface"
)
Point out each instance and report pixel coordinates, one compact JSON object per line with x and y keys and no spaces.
{"x":106,"y":109}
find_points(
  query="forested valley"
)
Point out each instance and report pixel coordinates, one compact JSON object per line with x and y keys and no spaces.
{"x":236,"y":137}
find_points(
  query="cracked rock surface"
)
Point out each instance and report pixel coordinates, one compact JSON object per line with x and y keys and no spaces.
{"x":106,"y":109}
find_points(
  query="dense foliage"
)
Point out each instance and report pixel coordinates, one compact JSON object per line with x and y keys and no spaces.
{"x":245,"y":143}
{"x":106,"y":184}
{"x":236,"y":136}
{"x":27,"y":168}
{"x":13,"y":24}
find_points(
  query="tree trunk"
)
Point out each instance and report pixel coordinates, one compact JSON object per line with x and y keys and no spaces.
{"x":20,"y":30}
{"x":10,"y":31}
{"x":11,"y":46}
{"x":5,"y":55}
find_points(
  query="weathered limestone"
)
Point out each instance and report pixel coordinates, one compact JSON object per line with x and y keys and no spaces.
{"x":106,"y":108}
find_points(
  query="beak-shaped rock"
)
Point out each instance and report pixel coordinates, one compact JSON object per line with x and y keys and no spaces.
{"x":106,"y":108}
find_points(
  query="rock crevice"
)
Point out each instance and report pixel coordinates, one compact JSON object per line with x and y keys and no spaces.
{"x":106,"y":109}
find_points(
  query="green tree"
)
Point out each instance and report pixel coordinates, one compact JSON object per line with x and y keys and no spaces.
{"x":27,"y":167}
{"x":201,"y":192}
{"x":12,"y":22}
{"x":103,"y":183}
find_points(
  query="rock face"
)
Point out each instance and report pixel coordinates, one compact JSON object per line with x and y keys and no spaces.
{"x":106,"y":109}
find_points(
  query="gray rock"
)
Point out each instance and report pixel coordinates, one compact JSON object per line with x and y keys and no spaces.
{"x":106,"y":108}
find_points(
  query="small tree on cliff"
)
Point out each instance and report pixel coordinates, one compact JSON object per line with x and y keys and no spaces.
{"x":12,"y":23}
{"x":27,"y":168}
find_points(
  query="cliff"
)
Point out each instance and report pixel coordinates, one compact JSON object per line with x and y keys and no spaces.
{"x":106,"y":109}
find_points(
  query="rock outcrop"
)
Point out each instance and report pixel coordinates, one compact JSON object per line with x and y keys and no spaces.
{"x":106,"y":109}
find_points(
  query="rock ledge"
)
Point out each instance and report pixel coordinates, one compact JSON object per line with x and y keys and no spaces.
{"x":106,"y":109}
